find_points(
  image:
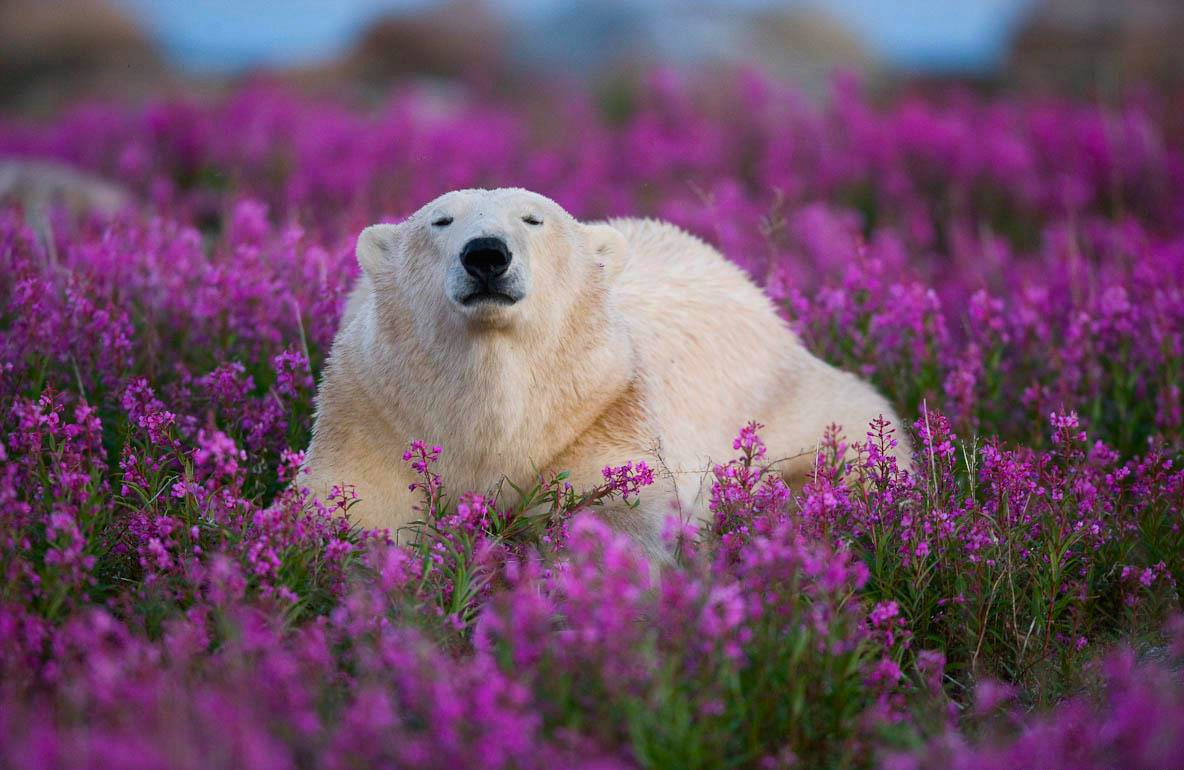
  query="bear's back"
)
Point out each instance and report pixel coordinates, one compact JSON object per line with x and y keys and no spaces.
{"x":711,"y":347}
{"x":663,"y":252}
{"x":671,"y":282}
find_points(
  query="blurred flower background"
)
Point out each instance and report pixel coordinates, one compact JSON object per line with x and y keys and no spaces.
{"x":979,"y":206}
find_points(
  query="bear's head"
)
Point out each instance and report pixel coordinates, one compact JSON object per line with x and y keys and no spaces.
{"x":489,"y":259}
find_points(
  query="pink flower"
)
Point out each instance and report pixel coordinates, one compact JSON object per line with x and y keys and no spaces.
{"x":627,"y":480}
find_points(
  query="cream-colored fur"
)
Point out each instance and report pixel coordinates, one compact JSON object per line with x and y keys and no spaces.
{"x":634,"y":341}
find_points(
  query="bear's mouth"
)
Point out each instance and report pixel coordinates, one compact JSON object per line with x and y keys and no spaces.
{"x":493,"y":297}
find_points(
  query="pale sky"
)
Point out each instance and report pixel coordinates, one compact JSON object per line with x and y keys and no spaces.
{"x":230,"y":35}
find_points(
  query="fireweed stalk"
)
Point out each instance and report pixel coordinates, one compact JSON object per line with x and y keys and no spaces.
{"x":1009,"y":272}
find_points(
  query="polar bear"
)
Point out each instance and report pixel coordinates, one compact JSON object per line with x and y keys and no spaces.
{"x":493,"y":323}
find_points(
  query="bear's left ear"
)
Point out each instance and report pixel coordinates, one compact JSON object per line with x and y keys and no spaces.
{"x":377,"y":246}
{"x":609,"y":247}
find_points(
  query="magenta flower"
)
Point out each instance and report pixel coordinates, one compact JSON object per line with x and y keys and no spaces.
{"x":628,"y":479}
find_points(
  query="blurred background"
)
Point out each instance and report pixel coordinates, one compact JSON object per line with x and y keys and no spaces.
{"x":53,"y":51}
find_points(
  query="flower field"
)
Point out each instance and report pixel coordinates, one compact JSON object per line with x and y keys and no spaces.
{"x":1008,"y":271}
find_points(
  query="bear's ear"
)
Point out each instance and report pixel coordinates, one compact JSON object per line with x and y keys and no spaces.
{"x":609,"y":247}
{"x":377,"y":246}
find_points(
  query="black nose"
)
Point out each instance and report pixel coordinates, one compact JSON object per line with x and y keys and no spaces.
{"x":485,"y":258}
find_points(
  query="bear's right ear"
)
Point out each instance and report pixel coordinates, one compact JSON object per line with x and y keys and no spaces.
{"x":377,"y":246}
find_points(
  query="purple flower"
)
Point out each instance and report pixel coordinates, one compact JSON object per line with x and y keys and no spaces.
{"x":628,"y":479}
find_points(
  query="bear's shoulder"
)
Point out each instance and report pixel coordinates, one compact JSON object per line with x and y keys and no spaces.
{"x":658,"y":233}
{"x":664,"y":260}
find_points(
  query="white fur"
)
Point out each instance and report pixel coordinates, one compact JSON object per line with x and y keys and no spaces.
{"x":635,"y":341}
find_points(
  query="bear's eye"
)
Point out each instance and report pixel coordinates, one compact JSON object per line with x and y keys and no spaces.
{"x":443,"y":221}
{"x":531,"y":219}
